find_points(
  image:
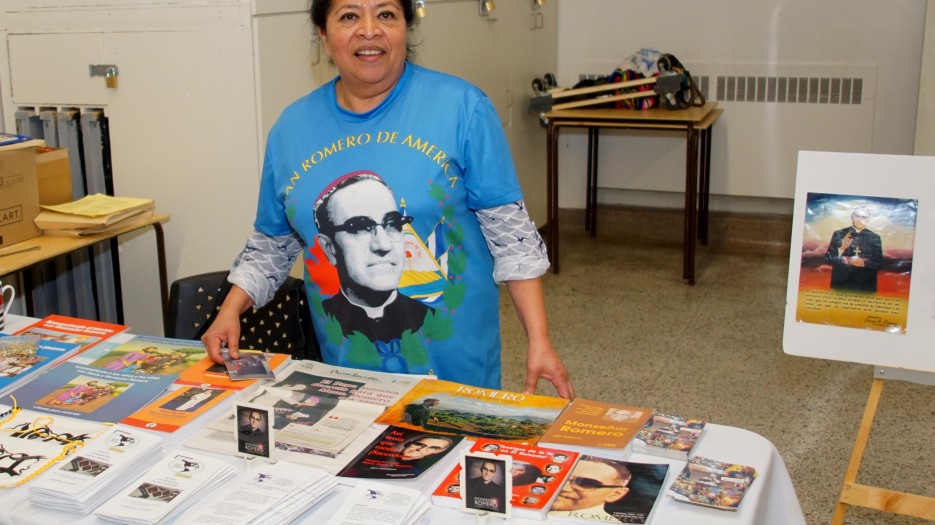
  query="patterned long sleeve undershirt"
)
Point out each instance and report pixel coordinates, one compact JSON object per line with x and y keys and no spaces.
{"x":263,"y":265}
{"x":518,"y":251}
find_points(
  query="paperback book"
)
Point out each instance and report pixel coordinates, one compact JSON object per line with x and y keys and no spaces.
{"x":712,"y":483}
{"x":602,"y":489}
{"x":146,"y":354}
{"x":537,"y":476}
{"x":401,"y":454}
{"x":177,"y":408}
{"x":83,"y":332}
{"x":207,"y":373}
{"x":668,"y":436}
{"x":453,"y":408}
{"x":596,"y":428}
{"x":24,"y":357}
{"x":89,"y":393}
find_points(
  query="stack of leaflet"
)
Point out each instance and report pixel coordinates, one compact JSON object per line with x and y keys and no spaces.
{"x":391,"y":504}
{"x":167,"y":489}
{"x":267,"y":494}
{"x":97,"y":471}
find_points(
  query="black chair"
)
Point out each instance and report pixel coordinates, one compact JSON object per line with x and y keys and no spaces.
{"x":283,"y":325}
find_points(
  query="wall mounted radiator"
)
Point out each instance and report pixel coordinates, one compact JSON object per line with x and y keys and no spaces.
{"x":85,"y":284}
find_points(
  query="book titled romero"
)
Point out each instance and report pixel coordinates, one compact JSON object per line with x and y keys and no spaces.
{"x":454,"y":408}
{"x":593,"y":427}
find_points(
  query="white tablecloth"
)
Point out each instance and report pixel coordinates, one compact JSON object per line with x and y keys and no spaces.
{"x":770,"y":500}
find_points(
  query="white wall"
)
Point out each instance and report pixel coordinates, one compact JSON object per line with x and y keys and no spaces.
{"x":754,"y":152}
{"x":925,"y":119}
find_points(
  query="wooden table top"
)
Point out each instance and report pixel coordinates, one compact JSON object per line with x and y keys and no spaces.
{"x":24,"y":254}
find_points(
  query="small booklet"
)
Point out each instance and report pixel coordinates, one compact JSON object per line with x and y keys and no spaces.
{"x":250,"y":365}
{"x":712,"y":483}
{"x":596,"y":428}
{"x":668,"y":436}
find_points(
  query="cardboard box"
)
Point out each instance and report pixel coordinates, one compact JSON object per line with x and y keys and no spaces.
{"x":54,"y":174}
{"x":19,"y":195}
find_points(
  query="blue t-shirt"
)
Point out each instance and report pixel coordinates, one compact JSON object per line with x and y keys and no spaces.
{"x":437,"y":143}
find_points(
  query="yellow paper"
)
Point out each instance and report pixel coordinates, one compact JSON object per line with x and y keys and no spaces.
{"x":98,"y":205}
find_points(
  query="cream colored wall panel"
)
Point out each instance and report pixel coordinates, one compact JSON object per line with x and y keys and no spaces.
{"x":757,"y":141}
{"x":289,"y":65}
{"x":501,"y":54}
{"x":53,"y":69}
{"x":925,"y":116}
{"x":182,"y":131}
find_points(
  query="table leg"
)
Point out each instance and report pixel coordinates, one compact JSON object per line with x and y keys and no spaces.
{"x":163,"y":274}
{"x":552,"y":194}
{"x":691,"y":196}
{"x":593,"y":139}
{"x":705,"y":166}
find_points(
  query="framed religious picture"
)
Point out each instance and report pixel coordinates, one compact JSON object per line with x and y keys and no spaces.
{"x":254,"y":431}
{"x":861,"y":277}
{"x":486,"y":484}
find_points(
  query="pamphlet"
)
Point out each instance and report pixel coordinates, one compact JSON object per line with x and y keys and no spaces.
{"x":393,"y":504}
{"x":248,"y":366}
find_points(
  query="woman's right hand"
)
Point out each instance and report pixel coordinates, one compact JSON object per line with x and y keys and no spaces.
{"x":226,"y":326}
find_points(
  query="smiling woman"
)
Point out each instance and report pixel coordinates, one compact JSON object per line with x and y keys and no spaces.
{"x":407,"y":229}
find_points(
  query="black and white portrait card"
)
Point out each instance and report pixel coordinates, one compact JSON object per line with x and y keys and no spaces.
{"x":254,"y":431}
{"x":486,"y":483}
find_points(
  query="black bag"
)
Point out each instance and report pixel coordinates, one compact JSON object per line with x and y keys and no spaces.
{"x":689,"y":95}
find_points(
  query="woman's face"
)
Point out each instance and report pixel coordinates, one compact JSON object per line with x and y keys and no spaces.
{"x":367,"y":41}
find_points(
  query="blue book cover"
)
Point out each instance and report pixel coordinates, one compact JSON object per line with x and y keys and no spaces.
{"x":89,"y":393}
{"x":24,"y":357}
{"x":146,"y":354}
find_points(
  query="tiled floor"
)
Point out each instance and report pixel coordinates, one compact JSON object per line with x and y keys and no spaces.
{"x":714,"y":351}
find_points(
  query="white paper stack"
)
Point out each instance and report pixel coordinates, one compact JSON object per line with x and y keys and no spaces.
{"x":267,"y":494}
{"x":393,"y":505}
{"x":97,"y":471}
{"x":167,"y":489}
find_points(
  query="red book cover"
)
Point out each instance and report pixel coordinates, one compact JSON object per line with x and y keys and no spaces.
{"x":83,"y":332}
{"x":538,"y":474}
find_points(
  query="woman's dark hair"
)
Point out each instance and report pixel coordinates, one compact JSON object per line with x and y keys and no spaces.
{"x":318,"y":11}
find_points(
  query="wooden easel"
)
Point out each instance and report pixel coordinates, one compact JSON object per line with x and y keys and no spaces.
{"x":855,"y":494}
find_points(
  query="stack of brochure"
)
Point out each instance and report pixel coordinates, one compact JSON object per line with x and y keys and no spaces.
{"x":167,"y":489}
{"x":97,"y":471}
{"x":267,"y":494}
{"x":394,"y":505}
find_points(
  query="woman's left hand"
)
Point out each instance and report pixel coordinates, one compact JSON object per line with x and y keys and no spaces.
{"x":542,"y":362}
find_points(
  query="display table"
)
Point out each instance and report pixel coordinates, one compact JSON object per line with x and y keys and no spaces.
{"x":770,"y":500}
{"x":696,"y":123}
